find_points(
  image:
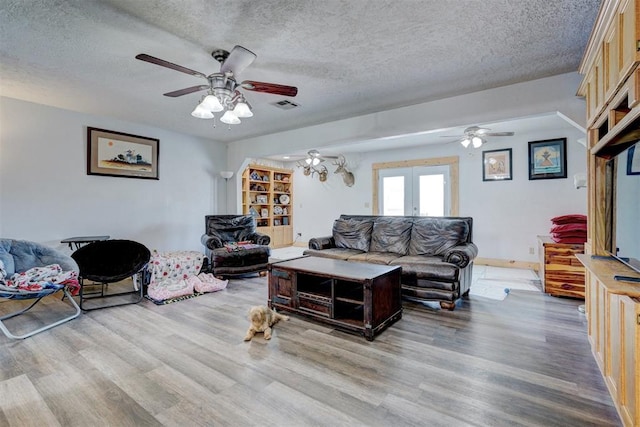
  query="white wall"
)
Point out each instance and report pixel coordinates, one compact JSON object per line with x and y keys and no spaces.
{"x":46,"y":194}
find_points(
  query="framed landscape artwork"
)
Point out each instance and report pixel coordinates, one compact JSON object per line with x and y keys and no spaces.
{"x":548,"y":159}
{"x":496,"y":165}
{"x":121,"y":154}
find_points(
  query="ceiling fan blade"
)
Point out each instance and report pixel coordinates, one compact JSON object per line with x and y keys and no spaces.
{"x":499,"y":134}
{"x":167,"y":64}
{"x":239,"y":58}
{"x":186,"y":91}
{"x":270,"y":88}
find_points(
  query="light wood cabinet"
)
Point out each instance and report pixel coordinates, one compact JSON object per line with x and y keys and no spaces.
{"x":613,"y":316}
{"x":267,"y":194}
{"x":611,"y":86}
{"x":560,"y":271}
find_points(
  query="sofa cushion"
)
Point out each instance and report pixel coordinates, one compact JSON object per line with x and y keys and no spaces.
{"x":434,"y":236}
{"x":427,"y":267}
{"x":334,"y":253}
{"x":391,"y":235}
{"x":230,"y":228}
{"x":375,"y":257}
{"x":352,"y":234}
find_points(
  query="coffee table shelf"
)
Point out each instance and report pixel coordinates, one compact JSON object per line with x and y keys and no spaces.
{"x":356,"y":297}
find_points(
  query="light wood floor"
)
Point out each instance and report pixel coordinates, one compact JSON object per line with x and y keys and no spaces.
{"x":521,"y":361}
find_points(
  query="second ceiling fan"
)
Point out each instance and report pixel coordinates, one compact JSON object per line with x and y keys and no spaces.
{"x":475,"y":135}
{"x":222,"y":86}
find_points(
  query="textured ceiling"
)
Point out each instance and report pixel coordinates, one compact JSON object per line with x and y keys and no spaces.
{"x":347,"y":58}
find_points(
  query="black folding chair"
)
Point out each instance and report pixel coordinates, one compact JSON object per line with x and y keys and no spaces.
{"x":110,"y":261}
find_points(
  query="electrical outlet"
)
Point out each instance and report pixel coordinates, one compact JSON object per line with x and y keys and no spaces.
{"x":532,"y":251}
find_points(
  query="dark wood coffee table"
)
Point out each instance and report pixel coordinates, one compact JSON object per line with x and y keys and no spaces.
{"x":353,"y":296}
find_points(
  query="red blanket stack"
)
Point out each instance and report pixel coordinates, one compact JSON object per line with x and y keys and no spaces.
{"x":569,"y":228}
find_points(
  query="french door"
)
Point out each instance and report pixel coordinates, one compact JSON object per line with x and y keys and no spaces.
{"x":415,"y":191}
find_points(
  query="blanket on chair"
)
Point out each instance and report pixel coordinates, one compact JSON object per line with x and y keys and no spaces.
{"x":38,"y":279}
{"x":177,"y":274}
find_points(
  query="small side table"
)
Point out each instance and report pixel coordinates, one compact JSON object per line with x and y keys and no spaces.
{"x":82,"y":240}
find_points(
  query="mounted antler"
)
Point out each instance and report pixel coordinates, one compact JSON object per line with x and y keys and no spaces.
{"x":347,"y":176}
{"x":309,"y":170}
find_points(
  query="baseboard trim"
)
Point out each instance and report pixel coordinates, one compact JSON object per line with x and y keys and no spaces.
{"x":494,"y":262}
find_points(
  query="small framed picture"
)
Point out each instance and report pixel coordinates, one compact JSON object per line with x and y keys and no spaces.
{"x":261,"y":200}
{"x":633,"y":160}
{"x":276,"y":222}
{"x":496,"y":165}
{"x":548,"y":159}
{"x":264,"y":213}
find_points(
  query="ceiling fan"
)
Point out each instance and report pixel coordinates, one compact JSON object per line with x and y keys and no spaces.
{"x":314,"y":158}
{"x":475,"y":135}
{"x":222,"y":87}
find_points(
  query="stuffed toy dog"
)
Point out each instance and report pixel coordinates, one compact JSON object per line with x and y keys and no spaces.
{"x":262,"y":319}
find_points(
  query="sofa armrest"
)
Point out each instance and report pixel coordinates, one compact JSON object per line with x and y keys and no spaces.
{"x":461,"y":255}
{"x":259,"y":238}
{"x":320,"y":243}
{"x":211,"y":242}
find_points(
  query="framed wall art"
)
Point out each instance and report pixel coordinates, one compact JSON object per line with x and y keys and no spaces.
{"x":121,"y":154}
{"x":548,"y":159}
{"x":496,"y":165}
{"x":633,"y":160}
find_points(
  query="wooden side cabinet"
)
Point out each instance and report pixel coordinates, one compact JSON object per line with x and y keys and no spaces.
{"x":560,"y":271}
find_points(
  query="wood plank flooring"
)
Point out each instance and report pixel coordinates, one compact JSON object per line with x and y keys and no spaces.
{"x":522,"y":361}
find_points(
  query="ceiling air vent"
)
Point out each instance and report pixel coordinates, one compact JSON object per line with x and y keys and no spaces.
{"x":286,"y":104}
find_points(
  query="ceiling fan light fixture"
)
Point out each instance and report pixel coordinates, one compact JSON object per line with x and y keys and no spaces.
{"x":229,"y":118}
{"x":308,"y":160}
{"x":477,"y":141}
{"x":211,"y":103}
{"x":202,"y":113}
{"x":315,"y":161}
{"x":465,"y":142}
{"x":242,"y":109}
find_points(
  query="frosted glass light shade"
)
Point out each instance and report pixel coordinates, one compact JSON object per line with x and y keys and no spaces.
{"x":465,"y":142}
{"x":242,"y":110}
{"x":226,"y":174}
{"x":211,"y":103}
{"x":202,"y":113}
{"x":476,"y":141}
{"x":230,"y":118}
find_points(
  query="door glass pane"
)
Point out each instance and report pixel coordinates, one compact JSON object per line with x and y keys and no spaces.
{"x":393,"y":195}
{"x":431,"y":195}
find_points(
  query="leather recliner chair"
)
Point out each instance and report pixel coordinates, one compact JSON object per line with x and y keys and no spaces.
{"x":233,"y":246}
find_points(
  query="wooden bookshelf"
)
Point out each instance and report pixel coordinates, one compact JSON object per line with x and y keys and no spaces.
{"x":267,"y":194}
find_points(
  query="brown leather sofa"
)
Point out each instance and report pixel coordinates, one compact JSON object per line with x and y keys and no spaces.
{"x":436,"y":253}
{"x":221,"y":232}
